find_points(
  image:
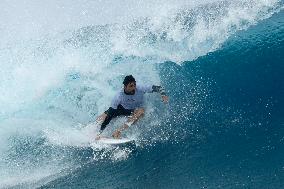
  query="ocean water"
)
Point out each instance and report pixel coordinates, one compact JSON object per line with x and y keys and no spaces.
{"x":221,"y":63}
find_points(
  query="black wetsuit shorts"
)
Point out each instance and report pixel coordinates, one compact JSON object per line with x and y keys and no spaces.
{"x":111,"y":113}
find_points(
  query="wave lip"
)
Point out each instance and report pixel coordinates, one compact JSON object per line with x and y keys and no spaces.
{"x":188,"y":32}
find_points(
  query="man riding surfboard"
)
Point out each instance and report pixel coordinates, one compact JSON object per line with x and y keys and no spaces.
{"x":128,"y":102}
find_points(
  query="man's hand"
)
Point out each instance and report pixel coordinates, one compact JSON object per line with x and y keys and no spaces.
{"x":165,"y":98}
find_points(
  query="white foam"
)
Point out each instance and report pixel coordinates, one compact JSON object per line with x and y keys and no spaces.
{"x":189,"y":31}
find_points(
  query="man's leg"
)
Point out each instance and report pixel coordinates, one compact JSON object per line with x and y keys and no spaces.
{"x":105,"y":118}
{"x":135,"y":116}
{"x":101,"y":118}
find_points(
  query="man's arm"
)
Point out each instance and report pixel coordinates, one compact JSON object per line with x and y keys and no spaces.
{"x":158,"y":89}
{"x":161,"y":90}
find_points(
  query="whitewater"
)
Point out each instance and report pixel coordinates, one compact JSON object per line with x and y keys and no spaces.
{"x":221,"y":63}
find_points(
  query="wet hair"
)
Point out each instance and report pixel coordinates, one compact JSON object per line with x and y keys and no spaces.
{"x":128,"y":79}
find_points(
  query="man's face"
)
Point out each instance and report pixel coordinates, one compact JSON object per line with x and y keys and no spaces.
{"x":130,"y":88}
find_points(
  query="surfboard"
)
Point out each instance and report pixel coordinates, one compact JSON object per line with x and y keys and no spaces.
{"x":113,"y":141}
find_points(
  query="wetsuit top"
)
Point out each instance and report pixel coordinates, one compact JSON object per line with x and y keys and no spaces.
{"x":136,"y":100}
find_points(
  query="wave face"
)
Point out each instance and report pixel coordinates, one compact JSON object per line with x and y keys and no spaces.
{"x":221,"y":63}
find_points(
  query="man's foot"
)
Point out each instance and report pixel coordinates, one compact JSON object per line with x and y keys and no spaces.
{"x":116,"y":134}
{"x":98,"y":137}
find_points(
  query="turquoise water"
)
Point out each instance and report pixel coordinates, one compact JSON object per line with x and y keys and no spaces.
{"x":221,"y":63}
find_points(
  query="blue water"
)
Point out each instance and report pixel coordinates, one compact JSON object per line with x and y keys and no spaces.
{"x":221,"y":64}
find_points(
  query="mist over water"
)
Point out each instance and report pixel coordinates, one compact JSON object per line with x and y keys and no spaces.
{"x":62,"y":62}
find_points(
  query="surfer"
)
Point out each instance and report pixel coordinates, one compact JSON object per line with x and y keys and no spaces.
{"x":128,"y":102}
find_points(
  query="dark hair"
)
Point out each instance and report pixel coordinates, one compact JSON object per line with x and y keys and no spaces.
{"x":128,"y":79}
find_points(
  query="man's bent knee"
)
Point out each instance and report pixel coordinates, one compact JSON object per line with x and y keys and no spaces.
{"x":139,"y":112}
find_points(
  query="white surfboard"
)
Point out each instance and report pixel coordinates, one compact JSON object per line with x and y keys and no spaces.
{"x":113,"y":141}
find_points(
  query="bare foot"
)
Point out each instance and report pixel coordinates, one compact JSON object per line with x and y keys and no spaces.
{"x":116,"y":134}
{"x":98,"y":137}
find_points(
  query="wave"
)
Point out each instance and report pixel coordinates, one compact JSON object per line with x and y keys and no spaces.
{"x":55,"y":84}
